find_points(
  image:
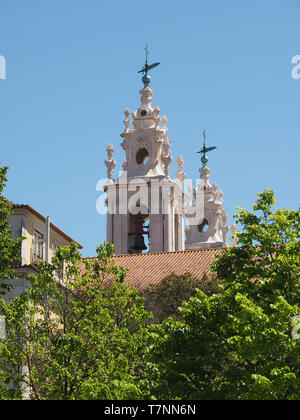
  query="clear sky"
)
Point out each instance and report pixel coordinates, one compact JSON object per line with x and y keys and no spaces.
{"x":72,"y":71}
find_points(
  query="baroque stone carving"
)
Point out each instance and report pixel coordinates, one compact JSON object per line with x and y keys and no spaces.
{"x":210,"y":200}
{"x":155,"y":116}
{"x":180,"y":175}
{"x":166,"y":157}
{"x":127,"y":121}
{"x":110,"y":163}
{"x":146,"y":96}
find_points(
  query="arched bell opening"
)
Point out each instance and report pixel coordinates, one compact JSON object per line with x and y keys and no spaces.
{"x":138,"y":237}
{"x":202,"y":227}
{"x":142,"y":156}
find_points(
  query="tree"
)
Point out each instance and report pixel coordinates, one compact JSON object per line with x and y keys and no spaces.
{"x":9,"y":248}
{"x":74,"y":335}
{"x":238,"y":344}
{"x":164,"y":298}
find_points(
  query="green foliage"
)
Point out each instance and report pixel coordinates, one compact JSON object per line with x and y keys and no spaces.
{"x":238,"y":344}
{"x":74,"y":336}
{"x":9,"y":248}
{"x":164,"y":298}
{"x":86,"y":336}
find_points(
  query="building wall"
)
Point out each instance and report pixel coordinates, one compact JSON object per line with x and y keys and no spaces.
{"x":19,"y":284}
{"x":24,"y":223}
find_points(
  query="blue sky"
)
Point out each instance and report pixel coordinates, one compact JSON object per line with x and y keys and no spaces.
{"x":72,"y":71}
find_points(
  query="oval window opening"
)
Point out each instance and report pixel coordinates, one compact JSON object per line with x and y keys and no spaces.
{"x":142,"y":156}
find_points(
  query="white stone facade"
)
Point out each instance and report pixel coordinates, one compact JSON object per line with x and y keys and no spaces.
{"x":147,"y":166}
{"x":211,"y":231}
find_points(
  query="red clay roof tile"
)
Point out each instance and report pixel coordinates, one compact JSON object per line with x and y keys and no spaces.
{"x":151,"y":268}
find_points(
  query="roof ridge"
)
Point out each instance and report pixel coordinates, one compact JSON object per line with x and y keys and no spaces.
{"x":161,"y":253}
{"x":43,"y":219}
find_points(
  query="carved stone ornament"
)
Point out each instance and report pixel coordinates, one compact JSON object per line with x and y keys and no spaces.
{"x":146,"y":96}
{"x":167,"y":160}
{"x":127,"y":121}
{"x":166,"y":157}
{"x":180,"y":175}
{"x":155,"y":115}
{"x":110,"y":163}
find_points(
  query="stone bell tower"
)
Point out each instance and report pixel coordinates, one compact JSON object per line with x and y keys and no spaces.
{"x":211,"y":230}
{"x":145,"y":210}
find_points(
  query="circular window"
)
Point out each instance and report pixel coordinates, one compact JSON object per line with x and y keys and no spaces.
{"x":143,"y":113}
{"x":142,"y":156}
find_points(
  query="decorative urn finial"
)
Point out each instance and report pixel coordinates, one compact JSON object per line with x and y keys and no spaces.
{"x":110,"y":163}
{"x":180,"y":175}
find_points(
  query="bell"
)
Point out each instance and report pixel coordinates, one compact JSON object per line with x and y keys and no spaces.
{"x":139,"y":243}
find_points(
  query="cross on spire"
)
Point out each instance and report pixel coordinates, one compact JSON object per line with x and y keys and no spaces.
{"x":147,"y":52}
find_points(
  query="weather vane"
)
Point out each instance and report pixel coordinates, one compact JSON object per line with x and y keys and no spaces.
{"x":205,"y":149}
{"x":146,"y":79}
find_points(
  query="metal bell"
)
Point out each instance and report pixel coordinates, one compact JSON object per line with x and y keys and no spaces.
{"x":139,"y":243}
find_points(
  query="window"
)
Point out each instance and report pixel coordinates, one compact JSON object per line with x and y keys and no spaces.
{"x":56,"y":245}
{"x":38,"y":246}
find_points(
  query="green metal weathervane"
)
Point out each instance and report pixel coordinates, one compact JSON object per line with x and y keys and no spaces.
{"x":204,"y":150}
{"x":146,"y":79}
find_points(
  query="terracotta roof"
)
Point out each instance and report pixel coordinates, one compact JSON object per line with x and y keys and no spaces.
{"x":151,"y":268}
{"x":43,"y":219}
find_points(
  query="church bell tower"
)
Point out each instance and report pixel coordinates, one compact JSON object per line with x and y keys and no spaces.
{"x":211,"y":230}
{"x":145,"y":210}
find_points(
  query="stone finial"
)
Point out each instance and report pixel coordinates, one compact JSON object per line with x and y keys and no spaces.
{"x":214,"y":191}
{"x":189,"y":195}
{"x":225,"y":228}
{"x":220,"y":196}
{"x":164,"y":120}
{"x":166,"y":157}
{"x":180,"y":175}
{"x":234,"y":241}
{"x":110,"y":151}
{"x":205,"y":173}
{"x":146,"y":96}
{"x":110,"y":163}
{"x":180,"y":163}
{"x":155,"y":115}
{"x":127,"y":121}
